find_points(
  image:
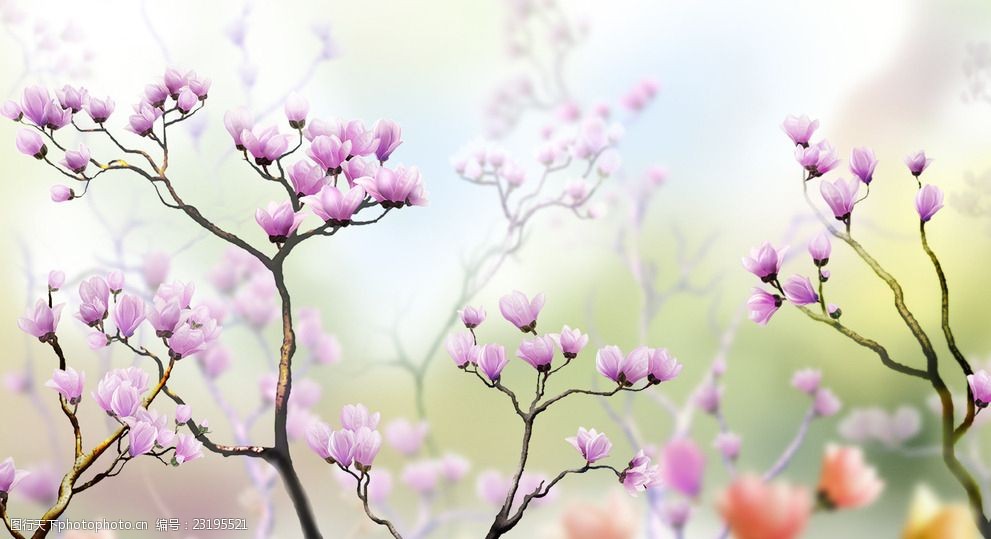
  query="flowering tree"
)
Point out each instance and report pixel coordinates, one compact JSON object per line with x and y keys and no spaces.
{"x":842,"y":198}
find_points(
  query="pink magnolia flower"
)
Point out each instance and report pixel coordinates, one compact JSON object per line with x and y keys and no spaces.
{"x":422,"y":476}
{"x":799,"y":129}
{"x":11,"y":110}
{"x":214,"y":360}
{"x":917,"y":163}
{"x":491,"y":360}
{"x":237,"y":121}
{"x":662,"y":366}
{"x":538,"y":352}
{"x":329,"y":152}
{"x":846,"y":481}
{"x":765,"y":261}
{"x":389,"y":136}
{"x":155,"y":268}
{"x":624,"y":370}
{"x":29,"y":142}
{"x":318,"y":438}
{"x":266,"y":146}
{"x":820,"y":249}
{"x":141,"y":438}
{"x":472,"y":317}
{"x":41,"y":321}
{"x":68,"y":383}
{"x":521,"y":311}
{"x":183,"y":413}
{"x":41,"y":485}
{"x":71,"y":98}
{"x":841,"y":196}
{"x":460,"y":348}
{"x":395,"y":188}
{"x":115,"y":281}
{"x":333,"y":206}
{"x":296,"y":108}
{"x":187,"y":100}
{"x":862,"y":164}
{"x":762,"y":305}
{"x":406,"y":437}
{"x":928,"y":201}
{"x":9,"y":475}
{"x":35,"y":101}
{"x":77,"y":160}
{"x":799,"y":290}
{"x":571,"y":341}
{"x":363,"y":141}
{"x":125,"y":400}
{"x":980,"y":386}
{"x":709,"y":398}
{"x":454,"y":467}
{"x":807,"y":380}
{"x":187,"y":449}
{"x":826,"y":403}
{"x":306,"y":178}
{"x":683,"y":465}
{"x":278,"y":220}
{"x":367,"y":443}
{"x":640,"y":474}
{"x":827,"y":158}
{"x":143,"y":120}
{"x":591,"y":444}
{"x":492,"y":487}
{"x":99,"y":110}
{"x":754,"y":509}
{"x":56,"y":279}
{"x":164,"y":317}
{"x":728,"y":444}
{"x":341,"y":447}
{"x":186,"y":341}
{"x":129,"y":314}
{"x":356,"y":416}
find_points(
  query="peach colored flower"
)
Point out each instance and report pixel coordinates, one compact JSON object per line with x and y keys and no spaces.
{"x":846,"y":481}
{"x":754,"y":509}
{"x":614,"y":520}
{"x":928,"y":518}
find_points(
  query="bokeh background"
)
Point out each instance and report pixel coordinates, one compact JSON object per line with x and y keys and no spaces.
{"x":894,"y":75}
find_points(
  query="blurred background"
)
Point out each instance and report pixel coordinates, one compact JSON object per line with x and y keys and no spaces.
{"x":897,"y":76}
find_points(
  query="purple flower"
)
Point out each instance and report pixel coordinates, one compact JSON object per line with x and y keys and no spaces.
{"x":297,"y":107}
{"x":355,"y":416}
{"x":491,"y":360}
{"x":175,"y":80}
{"x":571,"y":341}
{"x":9,"y":475}
{"x":200,"y":86}
{"x":928,"y":201}
{"x":624,"y":370}
{"x":128,"y":314}
{"x":340,"y":447}
{"x":841,"y":196}
{"x":798,"y":290}
{"x":807,"y":380}
{"x":917,"y":163}
{"x":35,"y":102}
{"x":29,"y":142}
{"x":334,"y":207}
{"x":521,"y":311}
{"x":422,"y":476}
{"x":980,"y":386}
{"x":762,"y":306}
{"x":640,"y":475}
{"x":406,"y":437}
{"x":187,"y":449}
{"x":76,"y":160}
{"x":862,"y":163}
{"x":367,"y":443}
{"x":800,"y":129}
{"x":41,"y":321}
{"x":164,"y":317}
{"x":389,"y":136}
{"x":115,"y":281}
{"x":661,"y":366}
{"x":61,"y":193}
{"x":183,"y":413}
{"x":141,"y":438}
{"x":826,"y":403}
{"x":363,"y":142}
{"x":143,"y":120}
{"x":306,"y":178}
{"x":318,"y":438}
{"x":765,"y":261}
{"x":820,"y":249}
{"x":56,"y":279}
{"x":683,"y":465}
{"x":187,"y":100}
{"x":709,"y":398}
{"x":68,"y":383}
{"x":329,"y":152}
{"x":728,"y":444}
{"x":237,"y":121}
{"x":99,"y":109}
{"x":71,"y":98}
{"x":395,"y":188}
{"x":266,"y":146}
{"x":186,"y":341}
{"x":472,"y":317}
{"x":125,"y":399}
{"x":278,"y":220}
{"x":538,"y":352}
{"x":592,"y":445}
{"x":459,"y":346}
{"x":454,"y":467}
{"x":11,"y":110}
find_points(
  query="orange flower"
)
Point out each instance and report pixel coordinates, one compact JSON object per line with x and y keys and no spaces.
{"x":754,"y":509}
{"x":595,"y":521}
{"x":930,"y":519}
{"x":846,"y":481}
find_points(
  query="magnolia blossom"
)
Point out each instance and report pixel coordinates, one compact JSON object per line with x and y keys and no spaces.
{"x":129,"y":314}
{"x":798,"y":289}
{"x":77,"y":160}
{"x":765,"y":262}
{"x":99,"y":110}
{"x":237,"y":121}
{"x":624,"y":370}
{"x":862,"y":164}
{"x":406,"y":437}
{"x":422,"y":476}
{"x":491,"y":360}
{"x":826,"y":403}
{"x":917,"y":163}
{"x":266,"y":146}
{"x":306,"y":178}
{"x":395,"y":188}
{"x":68,"y":383}
{"x":183,"y":413}
{"x":571,"y":341}
{"x":754,"y":509}
{"x":296,"y":108}
{"x":356,"y":416}
{"x":460,"y":347}
{"x":538,"y":352}
{"x":928,"y":201}
{"x":841,"y":196}
{"x":389,"y":136}
{"x":521,"y":311}
{"x":591,"y":444}
{"x":329,"y":152}
{"x":820,"y":249}
{"x":141,"y":438}
{"x":799,"y":129}
{"x":187,"y":448}
{"x":640,"y":474}
{"x":980,"y":386}
{"x":340,"y":447}
{"x":278,"y":220}
{"x":29,"y":142}
{"x":41,"y":321}
{"x":143,"y":120}
{"x":9,"y":475}
{"x":682,"y":466}
{"x":807,"y":380}
{"x":846,"y":481}
{"x":367,"y":443}
{"x":472,"y":317}
{"x":454,"y":467}
{"x":662,"y":366}
{"x":333,"y":206}
{"x":762,"y":305}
